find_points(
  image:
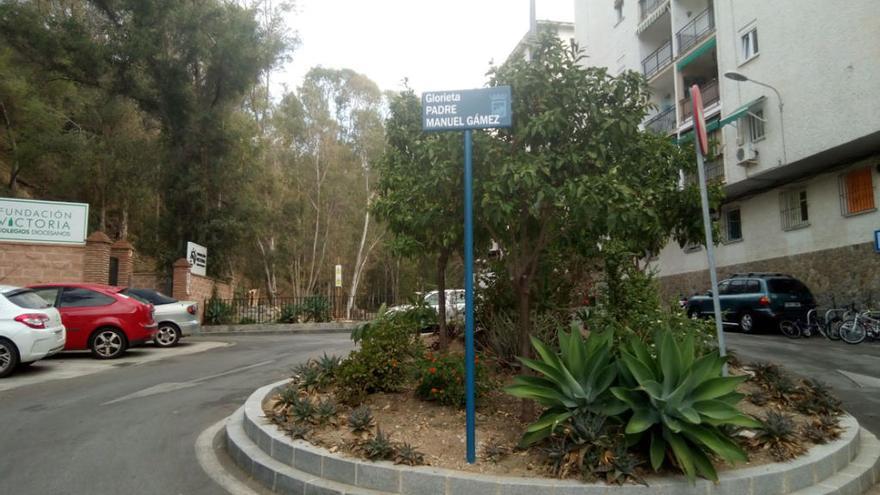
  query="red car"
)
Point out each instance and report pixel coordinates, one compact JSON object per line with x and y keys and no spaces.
{"x":99,"y":318}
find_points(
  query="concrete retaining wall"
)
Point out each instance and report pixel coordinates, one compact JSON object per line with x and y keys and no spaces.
{"x":847,"y":466}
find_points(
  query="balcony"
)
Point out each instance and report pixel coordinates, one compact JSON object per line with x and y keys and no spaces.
{"x":646,"y":7}
{"x":657,"y":60}
{"x":663,"y":122}
{"x":698,"y":28}
{"x":710,"y":94}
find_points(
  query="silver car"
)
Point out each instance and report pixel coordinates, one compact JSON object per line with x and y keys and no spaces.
{"x":175,"y":318}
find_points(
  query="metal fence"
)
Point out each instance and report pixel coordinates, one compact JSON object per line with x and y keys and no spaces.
{"x":663,"y":122}
{"x":658,"y":59}
{"x":305,"y":309}
{"x":695,"y":30}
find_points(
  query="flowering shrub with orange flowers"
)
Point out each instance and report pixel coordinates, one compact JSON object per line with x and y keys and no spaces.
{"x":440,"y":377}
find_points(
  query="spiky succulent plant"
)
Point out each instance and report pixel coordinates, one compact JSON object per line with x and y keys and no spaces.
{"x":494,"y":450}
{"x":303,"y":411}
{"x":379,"y":447}
{"x":325,"y":411}
{"x":778,"y":434}
{"x":360,"y":419}
{"x":409,"y":455}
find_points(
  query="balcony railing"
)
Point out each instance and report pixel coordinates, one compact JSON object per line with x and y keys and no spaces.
{"x":698,"y":28}
{"x":663,"y":122}
{"x":657,"y":60}
{"x":646,"y":7}
{"x":710,"y":94}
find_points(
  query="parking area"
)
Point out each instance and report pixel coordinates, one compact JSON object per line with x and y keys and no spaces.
{"x":79,"y":363}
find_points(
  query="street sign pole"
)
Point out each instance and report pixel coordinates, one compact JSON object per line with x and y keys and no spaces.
{"x":701,"y":146}
{"x":466,"y":110}
{"x":469,"y":353}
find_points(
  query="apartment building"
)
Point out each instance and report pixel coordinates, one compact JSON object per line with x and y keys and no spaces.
{"x":791,"y":91}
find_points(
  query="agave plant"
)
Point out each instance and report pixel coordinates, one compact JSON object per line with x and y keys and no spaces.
{"x":680,"y":402}
{"x":575,"y":380}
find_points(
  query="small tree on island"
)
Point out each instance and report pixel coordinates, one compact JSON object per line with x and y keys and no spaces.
{"x":575,"y":171}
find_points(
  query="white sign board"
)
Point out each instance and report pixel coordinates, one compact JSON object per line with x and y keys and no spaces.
{"x":338,"y":275}
{"x":198,"y":258}
{"x":49,"y":222}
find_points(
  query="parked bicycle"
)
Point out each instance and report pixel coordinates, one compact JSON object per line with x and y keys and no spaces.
{"x":863,"y":325}
{"x":828,"y":326}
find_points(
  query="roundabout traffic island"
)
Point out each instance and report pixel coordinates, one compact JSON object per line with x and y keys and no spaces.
{"x":621,"y":411}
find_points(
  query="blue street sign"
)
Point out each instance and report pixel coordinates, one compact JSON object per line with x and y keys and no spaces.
{"x":466,"y":110}
{"x":877,"y":241}
{"x":484,"y":108}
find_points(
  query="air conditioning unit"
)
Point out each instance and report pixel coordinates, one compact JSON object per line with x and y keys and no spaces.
{"x":746,"y":154}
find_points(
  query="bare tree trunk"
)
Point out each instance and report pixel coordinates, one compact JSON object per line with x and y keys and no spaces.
{"x":268,"y":253}
{"x":360,"y":261}
{"x":442,"y":261}
{"x":13,"y":174}
{"x":317,"y":206}
{"x":123,"y":226}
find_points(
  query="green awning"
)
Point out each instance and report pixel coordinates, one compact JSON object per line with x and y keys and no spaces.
{"x":705,"y":47}
{"x":741,"y":111}
{"x":710,"y":126}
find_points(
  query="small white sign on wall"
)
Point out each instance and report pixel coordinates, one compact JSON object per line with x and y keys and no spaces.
{"x":197,"y":256}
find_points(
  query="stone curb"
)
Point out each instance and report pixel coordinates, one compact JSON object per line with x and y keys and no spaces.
{"x":846,"y":466}
{"x":280,"y":328}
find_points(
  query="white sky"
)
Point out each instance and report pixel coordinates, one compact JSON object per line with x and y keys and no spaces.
{"x":438,"y":45}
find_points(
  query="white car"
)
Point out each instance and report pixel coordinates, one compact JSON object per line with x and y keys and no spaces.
{"x":454,"y":303}
{"x":30,"y":329}
{"x":176,"y":319}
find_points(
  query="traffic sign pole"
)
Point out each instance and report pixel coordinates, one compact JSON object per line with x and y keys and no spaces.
{"x":701,"y":145}
{"x":469,"y":353}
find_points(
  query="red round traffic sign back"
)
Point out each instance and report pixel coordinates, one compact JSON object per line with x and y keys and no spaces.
{"x":699,"y":120}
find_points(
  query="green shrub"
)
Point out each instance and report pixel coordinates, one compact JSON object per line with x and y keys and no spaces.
{"x":441,"y":379}
{"x":417,"y":317}
{"x":311,"y":309}
{"x":680,"y":403}
{"x":246,"y":320}
{"x":575,"y":380}
{"x":289,"y":314}
{"x":217,"y":312}
{"x":382,"y":362}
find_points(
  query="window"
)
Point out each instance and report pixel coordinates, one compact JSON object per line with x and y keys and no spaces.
{"x":793,"y":207}
{"x":749,"y":45}
{"x":753,"y":287}
{"x":857,"y":192}
{"x":724,"y":288}
{"x":618,"y":10}
{"x":737,"y":287}
{"x":28,"y":299}
{"x":756,"y":125}
{"x":148,"y":296}
{"x":732,"y":225}
{"x":75,"y":297}
{"x":49,"y":294}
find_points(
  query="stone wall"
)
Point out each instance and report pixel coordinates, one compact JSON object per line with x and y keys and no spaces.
{"x":188,"y":286}
{"x":848,"y":274}
{"x":27,"y":264}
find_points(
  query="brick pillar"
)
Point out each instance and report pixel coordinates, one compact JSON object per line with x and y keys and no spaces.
{"x":96,"y":266}
{"x":124,"y":252}
{"x":181,"y":280}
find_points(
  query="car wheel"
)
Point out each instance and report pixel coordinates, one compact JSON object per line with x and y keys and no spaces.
{"x":8,"y":358}
{"x":747,"y":323}
{"x":168,"y":335}
{"x":107,"y":343}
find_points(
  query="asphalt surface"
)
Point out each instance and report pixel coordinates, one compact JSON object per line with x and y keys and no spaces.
{"x":132,"y":429}
{"x":853,"y":371}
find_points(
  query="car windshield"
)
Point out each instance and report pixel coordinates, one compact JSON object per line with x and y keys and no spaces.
{"x":432,"y":299}
{"x":26,"y":299}
{"x":787,"y":286}
{"x":148,"y":296}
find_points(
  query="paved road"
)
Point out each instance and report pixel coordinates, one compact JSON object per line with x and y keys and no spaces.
{"x":132,"y":429}
{"x":852,"y":370}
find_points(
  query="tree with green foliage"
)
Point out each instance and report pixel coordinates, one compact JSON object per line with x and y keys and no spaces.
{"x":575,"y":170}
{"x":420,"y":190}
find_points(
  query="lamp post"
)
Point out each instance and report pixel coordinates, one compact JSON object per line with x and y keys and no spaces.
{"x":740,"y":77}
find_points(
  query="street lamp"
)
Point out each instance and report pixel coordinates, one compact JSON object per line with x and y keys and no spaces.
{"x":740,"y":77}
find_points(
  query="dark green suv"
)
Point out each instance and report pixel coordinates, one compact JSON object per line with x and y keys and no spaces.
{"x":754,"y":300}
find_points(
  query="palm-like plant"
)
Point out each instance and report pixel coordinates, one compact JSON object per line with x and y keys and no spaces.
{"x":680,"y":402}
{"x":575,"y":380}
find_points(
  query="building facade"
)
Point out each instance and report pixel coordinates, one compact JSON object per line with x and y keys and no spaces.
{"x":790,"y":91}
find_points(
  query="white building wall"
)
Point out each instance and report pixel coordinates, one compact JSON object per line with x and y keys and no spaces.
{"x":763,"y":237}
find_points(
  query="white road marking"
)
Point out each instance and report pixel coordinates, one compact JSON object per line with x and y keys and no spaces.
{"x":210,"y":464}
{"x":173,"y":386}
{"x":861,"y":380}
{"x":72,"y":365}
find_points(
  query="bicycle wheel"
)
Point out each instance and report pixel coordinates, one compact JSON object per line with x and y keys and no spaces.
{"x":852,"y":332}
{"x":789,"y":329}
{"x":832,"y":329}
